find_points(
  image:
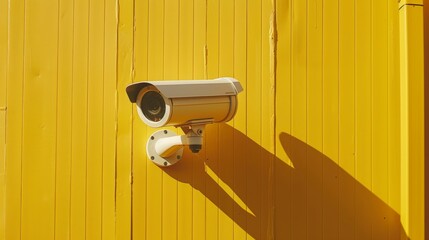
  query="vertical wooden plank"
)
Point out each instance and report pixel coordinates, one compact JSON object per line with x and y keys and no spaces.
{"x":39,"y":123}
{"x":64,"y":117}
{"x":198,"y":174}
{"x":314,"y":119}
{"x":426,"y":112}
{"x":95,"y":119}
{"x":15,"y":69}
{"x":124,"y":132}
{"x":379,"y":119}
{"x":299,"y":119}
{"x":226,"y":140}
{"x":240,"y":120}
{"x":404,"y":169}
{"x":185,"y":169}
{"x":171,"y":39}
{"x":79,"y":120}
{"x":393,"y":154}
{"x":212,"y":196}
{"x":109,"y":122}
{"x":139,"y":128}
{"x":267,"y":118}
{"x":379,"y":99}
{"x":283,"y":166}
{"x":4,"y":22}
{"x":330,"y":119}
{"x":346,"y":150}
{"x":416,"y":86}
{"x":363,"y":92}
{"x":253,"y":155}
{"x":171,"y":69}
{"x":363,"y":116}
{"x":212,"y":130}
{"x":412,"y":119}
{"x":155,"y":72}
{"x":3,"y":87}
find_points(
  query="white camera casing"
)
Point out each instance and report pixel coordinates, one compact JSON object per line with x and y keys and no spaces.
{"x":189,"y":101}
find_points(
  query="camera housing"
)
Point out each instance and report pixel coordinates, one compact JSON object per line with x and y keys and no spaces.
{"x":176,"y":103}
{"x":189,"y":104}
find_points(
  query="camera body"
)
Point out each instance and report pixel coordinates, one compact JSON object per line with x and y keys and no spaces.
{"x":189,"y":104}
{"x":184,"y":102}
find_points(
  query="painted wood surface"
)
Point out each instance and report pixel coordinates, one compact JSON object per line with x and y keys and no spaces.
{"x":312,"y":153}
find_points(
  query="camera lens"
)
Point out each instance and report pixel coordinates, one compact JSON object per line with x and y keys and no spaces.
{"x":195,"y":148}
{"x":153,"y":106}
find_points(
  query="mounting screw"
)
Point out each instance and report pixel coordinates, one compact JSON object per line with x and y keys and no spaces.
{"x":165,"y":131}
{"x":165,"y":163}
{"x":152,"y":137}
{"x":199,"y":131}
{"x":178,"y":156}
{"x":152,"y":158}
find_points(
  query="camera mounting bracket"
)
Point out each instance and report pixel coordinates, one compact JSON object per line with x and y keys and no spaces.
{"x":165,"y":147}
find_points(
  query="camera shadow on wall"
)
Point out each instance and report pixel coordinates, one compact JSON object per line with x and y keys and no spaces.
{"x":270,"y":199}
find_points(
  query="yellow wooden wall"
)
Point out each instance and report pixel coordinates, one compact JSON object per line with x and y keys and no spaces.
{"x":313,"y":152}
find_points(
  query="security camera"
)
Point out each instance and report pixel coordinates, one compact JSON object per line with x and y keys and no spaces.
{"x":189,"y":104}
